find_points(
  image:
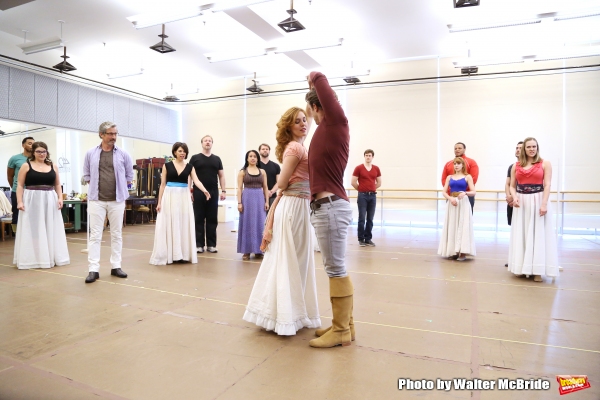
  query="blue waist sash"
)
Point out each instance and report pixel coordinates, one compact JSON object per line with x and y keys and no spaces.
{"x":177,"y":184}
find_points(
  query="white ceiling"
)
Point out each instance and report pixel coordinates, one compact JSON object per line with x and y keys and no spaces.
{"x":101,"y":40}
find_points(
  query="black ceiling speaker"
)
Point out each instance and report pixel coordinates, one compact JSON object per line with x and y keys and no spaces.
{"x":162,"y":46}
{"x":291,"y":24}
{"x":254,"y":88}
{"x":64,"y":66}
{"x":351,"y":79}
{"x":469,"y":70}
{"x":465,"y":3}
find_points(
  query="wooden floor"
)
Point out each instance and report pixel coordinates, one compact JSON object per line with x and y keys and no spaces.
{"x":176,"y":332}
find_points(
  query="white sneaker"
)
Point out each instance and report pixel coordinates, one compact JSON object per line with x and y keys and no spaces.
{"x":199,"y":249}
{"x":211,"y":249}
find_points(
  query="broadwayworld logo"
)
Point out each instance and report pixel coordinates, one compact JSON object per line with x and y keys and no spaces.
{"x":572,"y":383}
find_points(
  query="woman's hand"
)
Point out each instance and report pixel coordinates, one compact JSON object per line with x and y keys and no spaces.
{"x":543,"y":210}
{"x":207,"y":194}
{"x":453,"y":201}
{"x":240,"y":208}
{"x":60,"y":204}
{"x":267,"y":206}
{"x":516,"y":202}
{"x":461,"y":195}
{"x":20,"y":206}
{"x":158,"y":207}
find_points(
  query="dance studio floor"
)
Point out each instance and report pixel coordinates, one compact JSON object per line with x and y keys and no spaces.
{"x":176,"y":332}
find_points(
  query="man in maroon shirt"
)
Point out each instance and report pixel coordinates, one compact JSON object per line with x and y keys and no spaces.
{"x":331,"y":211}
{"x":366,"y":179}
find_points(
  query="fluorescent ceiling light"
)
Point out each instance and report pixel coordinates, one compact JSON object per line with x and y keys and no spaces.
{"x":142,"y":21}
{"x":466,"y":28}
{"x":125,"y":74}
{"x":475,"y":62}
{"x":550,"y":57}
{"x":41,"y":45}
{"x":281,"y":80}
{"x":190,"y":91}
{"x":565,"y":17}
{"x":229,"y":56}
{"x":286,"y":48}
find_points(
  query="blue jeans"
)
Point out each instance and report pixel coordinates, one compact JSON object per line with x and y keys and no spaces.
{"x":366,"y":207}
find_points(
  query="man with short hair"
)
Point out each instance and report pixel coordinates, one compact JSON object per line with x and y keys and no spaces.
{"x":209,"y":170}
{"x":509,"y":198}
{"x":366,"y":179}
{"x":109,"y":171}
{"x":12,"y":172}
{"x":331,"y":212}
{"x":470,"y":164}
{"x":271,"y":169}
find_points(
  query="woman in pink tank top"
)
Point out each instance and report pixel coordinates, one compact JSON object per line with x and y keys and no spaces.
{"x":532,"y":249}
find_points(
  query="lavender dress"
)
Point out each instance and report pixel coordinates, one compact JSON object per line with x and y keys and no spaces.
{"x":252,"y":220}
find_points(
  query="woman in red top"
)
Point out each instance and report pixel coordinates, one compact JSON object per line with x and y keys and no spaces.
{"x":532,"y":248}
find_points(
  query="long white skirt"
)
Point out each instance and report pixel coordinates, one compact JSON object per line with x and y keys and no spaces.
{"x":284,"y":296}
{"x":40,"y":241}
{"x":175,"y":234}
{"x":457,"y":233}
{"x":532,"y":249}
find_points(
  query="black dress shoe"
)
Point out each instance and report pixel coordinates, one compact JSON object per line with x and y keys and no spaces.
{"x":118,"y":272}
{"x":92,"y":277}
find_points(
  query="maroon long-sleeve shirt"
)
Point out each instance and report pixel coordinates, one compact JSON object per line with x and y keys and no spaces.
{"x":330,"y":145}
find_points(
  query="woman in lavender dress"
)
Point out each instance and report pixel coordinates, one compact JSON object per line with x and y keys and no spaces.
{"x":253,"y":203}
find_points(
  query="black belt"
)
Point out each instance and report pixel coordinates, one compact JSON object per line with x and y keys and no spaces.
{"x":315,"y":205}
{"x":367,"y":192}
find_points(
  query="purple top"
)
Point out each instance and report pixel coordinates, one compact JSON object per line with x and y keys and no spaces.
{"x":123,"y":172}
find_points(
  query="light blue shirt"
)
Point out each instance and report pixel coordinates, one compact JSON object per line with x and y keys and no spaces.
{"x":123,"y":172}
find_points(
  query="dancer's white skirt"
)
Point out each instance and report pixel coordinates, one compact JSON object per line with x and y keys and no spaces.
{"x":175,"y":234}
{"x":40,"y":240}
{"x":532,"y":249}
{"x":284,"y":296}
{"x":457,"y":233}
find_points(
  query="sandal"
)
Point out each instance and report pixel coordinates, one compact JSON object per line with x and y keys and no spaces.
{"x":246,"y":257}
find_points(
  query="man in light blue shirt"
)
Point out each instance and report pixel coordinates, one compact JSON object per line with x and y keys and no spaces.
{"x":108,"y":170}
{"x":12,"y":172}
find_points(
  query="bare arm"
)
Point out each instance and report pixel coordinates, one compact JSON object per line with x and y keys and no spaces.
{"x":223,"y":185}
{"x":199,"y":184}
{"x":513,"y":187}
{"x":451,"y":199}
{"x":287,"y":169}
{"x":309,"y":117}
{"x":275,"y":186}
{"x":471,"y":192}
{"x":547,"y":182}
{"x":57,"y":187}
{"x":354,"y":182}
{"x":21,"y":186}
{"x":163,"y":183}
{"x":10,"y":175}
{"x":240,"y":186}
{"x":265,"y":188}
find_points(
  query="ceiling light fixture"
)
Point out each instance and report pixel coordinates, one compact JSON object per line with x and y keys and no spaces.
{"x":343,"y":74}
{"x":549,"y":57}
{"x":142,"y":21}
{"x":291,"y":24}
{"x":229,"y":4}
{"x":125,"y":74}
{"x":254,"y":88}
{"x":470,"y":62}
{"x":565,"y":17}
{"x":465,"y":3}
{"x":454,"y":29}
{"x":64,"y":66}
{"x":42,"y":45}
{"x":229,"y":56}
{"x":162,"y":46}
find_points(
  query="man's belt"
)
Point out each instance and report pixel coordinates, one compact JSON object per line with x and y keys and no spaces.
{"x":367,"y":192}
{"x":315,"y":205}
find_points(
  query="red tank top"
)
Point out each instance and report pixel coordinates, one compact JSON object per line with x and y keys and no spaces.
{"x":531,"y":176}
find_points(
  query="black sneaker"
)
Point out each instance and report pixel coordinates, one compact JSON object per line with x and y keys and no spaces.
{"x":361,"y":243}
{"x":369,"y":243}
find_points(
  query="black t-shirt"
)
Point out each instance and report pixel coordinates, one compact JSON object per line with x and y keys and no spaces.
{"x":272,"y":169}
{"x":207,"y":170}
{"x":509,"y":170}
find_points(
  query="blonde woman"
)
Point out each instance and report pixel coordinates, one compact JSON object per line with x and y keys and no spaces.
{"x":532,"y":249}
{"x":457,"y":239}
{"x":40,"y":241}
{"x":284,"y":296}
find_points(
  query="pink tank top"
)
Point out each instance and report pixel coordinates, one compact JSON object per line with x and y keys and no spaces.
{"x":531,"y":176}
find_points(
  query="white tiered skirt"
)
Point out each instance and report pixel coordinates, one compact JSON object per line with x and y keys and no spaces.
{"x":40,"y":241}
{"x":457,"y":233}
{"x":175,"y":233}
{"x":532,"y":249}
{"x":284,"y":296}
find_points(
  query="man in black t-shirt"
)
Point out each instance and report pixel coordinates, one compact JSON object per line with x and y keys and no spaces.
{"x":272,"y":169}
{"x":209,"y":169}
{"x":509,"y":198}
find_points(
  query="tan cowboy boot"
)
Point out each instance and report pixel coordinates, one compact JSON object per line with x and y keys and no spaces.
{"x":341,"y":293}
{"x":322,"y":331}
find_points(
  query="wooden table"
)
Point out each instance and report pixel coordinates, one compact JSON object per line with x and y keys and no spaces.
{"x":76,"y":205}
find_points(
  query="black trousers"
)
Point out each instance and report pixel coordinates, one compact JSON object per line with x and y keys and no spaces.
{"x":206,"y":217}
{"x":472,"y":201}
{"x":509,"y":211}
{"x":15,"y":210}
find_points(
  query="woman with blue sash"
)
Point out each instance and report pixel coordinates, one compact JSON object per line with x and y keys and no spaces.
{"x":175,"y":235}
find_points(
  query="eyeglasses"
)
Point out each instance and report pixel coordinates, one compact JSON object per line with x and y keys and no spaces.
{"x":41,"y":152}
